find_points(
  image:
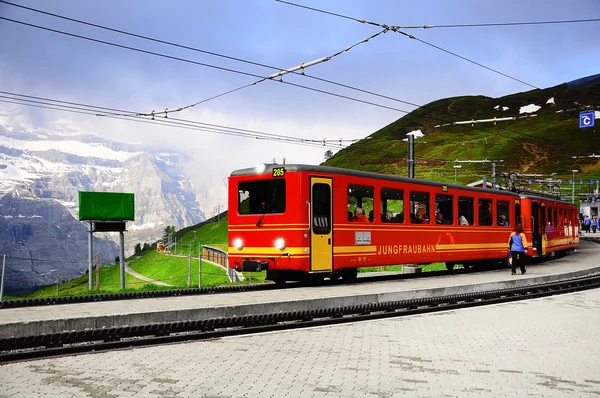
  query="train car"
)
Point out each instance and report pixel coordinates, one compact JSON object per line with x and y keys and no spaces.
{"x":551,"y":225}
{"x":301,"y":221}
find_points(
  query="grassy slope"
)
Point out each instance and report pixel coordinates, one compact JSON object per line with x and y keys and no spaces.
{"x":109,"y":283}
{"x":542,"y":144}
{"x":170,"y":269}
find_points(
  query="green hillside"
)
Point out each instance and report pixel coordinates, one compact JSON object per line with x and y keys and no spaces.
{"x":541,"y":144}
{"x":170,"y":269}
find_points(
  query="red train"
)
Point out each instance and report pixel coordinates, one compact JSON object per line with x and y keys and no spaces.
{"x":301,"y":221}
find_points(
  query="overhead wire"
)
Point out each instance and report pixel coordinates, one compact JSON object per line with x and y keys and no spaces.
{"x":254,"y":75}
{"x":201,"y":64}
{"x":441,"y":26}
{"x":479,"y":25}
{"x":230,"y":131}
{"x":75,"y":107}
{"x":187,"y":48}
{"x":230,"y":57}
{"x":114,"y":113}
{"x":209,"y":53}
{"x":105,"y":111}
{"x":191,"y":125}
{"x":254,"y":63}
{"x":167,"y":123}
{"x":397,"y":30}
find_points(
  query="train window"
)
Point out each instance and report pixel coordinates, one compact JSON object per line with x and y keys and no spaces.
{"x":419,"y":207}
{"x":392,"y":205}
{"x":465,"y":210}
{"x":549,"y":218}
{"x":444,"y":209}
{"x":360,"y":197}
{"x":555,"y":217}
{"x":502,"y":213}
{"x":263,"y":196}
{"x":562,"y":220}
{"x":321,"y":202}
{"x":485,"y":211}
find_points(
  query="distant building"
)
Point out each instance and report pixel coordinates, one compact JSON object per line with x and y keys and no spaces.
{"x":590,"y":206}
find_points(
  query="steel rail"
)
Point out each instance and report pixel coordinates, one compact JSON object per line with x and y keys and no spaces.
{"x":69,"y":343}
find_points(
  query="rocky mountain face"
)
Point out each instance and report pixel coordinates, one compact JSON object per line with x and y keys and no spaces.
{"x":43,"y":241}
{"x":41,"y":173}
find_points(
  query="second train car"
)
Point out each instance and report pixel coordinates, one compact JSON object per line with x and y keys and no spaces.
{"x":302,"y":221}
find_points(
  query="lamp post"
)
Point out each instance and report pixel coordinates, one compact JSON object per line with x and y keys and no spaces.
{"x":455,"y":172}
{"x":573,"y":189}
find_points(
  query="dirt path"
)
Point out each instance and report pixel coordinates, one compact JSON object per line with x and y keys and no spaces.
{"x":142,"y":277}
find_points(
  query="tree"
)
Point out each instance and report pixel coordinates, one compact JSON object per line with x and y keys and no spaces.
{"x":137,"y":249}
{"x":328,"y":154}
{"x":168,"y":231}
{"x":117,"y":260}
{"x":146,"y":247}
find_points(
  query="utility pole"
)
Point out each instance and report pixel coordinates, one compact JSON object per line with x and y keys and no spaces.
{"x":2,"y":280}
{"x":573,"y":187}
{"x":455,"y":173}
{"x":493,"y":162}
{"x":97,"y":271}
{"x":189,"y":279}
{"x":194,"y":241}
{"x":200,"y":268}
{"x":411,"y":156}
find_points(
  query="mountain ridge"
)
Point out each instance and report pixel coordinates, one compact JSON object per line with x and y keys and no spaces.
{"x":534,"y":131}
{"x":42,"y":172}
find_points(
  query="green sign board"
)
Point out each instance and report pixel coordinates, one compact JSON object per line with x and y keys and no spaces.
{"x":106,"y":206}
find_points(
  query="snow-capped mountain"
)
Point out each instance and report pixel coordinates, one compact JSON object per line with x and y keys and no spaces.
{"x":43,"y":168}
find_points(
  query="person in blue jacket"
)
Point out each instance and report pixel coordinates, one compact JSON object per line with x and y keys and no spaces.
{"x":517,"y":244}
{"x":586,"y":224}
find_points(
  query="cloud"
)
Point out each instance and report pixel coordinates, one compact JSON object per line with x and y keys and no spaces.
{"x":55,"y":66}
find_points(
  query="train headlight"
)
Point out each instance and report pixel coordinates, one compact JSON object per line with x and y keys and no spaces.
{"x":238,"y":244}
{"x":280,"y":244}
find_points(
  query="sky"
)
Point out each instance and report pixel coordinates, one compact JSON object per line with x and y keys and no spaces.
{"x":46,"y":64}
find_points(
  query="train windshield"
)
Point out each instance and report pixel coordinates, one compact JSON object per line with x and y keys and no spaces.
{"x":261,"y":197}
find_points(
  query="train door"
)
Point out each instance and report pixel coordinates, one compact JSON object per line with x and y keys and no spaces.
{"x":543,"y":225}
{"x":321,"y":231}
{"x":518,"y":219}
{"x":538,"y":222}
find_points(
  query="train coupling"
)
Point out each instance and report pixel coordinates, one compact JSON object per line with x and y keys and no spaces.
{"x":254,"y":266}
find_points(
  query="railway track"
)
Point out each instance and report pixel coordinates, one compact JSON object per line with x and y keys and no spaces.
{"x":69,"y":343}
{"x":364,"y":278}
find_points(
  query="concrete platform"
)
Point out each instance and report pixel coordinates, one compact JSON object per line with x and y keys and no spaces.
{"x":30,"y":321}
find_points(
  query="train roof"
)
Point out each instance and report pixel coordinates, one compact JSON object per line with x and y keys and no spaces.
{"x":267,"y":169}
{"x":543,"y":196}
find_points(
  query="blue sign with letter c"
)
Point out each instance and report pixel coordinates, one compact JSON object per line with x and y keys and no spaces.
{"x":587,"y":119}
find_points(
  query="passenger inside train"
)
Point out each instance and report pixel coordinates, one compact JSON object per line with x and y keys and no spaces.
{"x":439,"y":218}
{"x":359,"y":215}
